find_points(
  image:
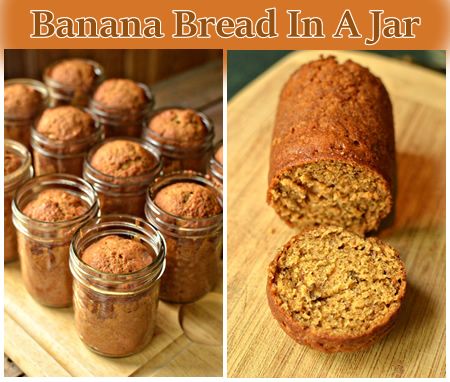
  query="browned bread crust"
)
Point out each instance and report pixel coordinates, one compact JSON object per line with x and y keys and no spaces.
{"x":183,"y":127}
{"x":76,"y":74}
{"x":54,"y":205}
{"x":188,"y":200}
{"x":120,"y":94}
{"x":123,"y":158}
{"x":117,"y":255}
{"x":310,"y":286}
{"x":65,"y":123}
{"x":22,"y":101}
{"x":335,"y":119}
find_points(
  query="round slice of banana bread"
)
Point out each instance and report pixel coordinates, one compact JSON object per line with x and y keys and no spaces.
{"x":335,"y":291}
{"x":333,"y":148}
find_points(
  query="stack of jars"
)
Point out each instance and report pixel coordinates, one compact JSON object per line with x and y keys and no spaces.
{"x":126,"y":205}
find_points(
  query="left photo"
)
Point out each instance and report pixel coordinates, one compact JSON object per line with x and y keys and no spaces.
{"x":113,"y":213}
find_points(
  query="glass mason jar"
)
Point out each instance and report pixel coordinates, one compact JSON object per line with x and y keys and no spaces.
{"x":61,"y":94}
{"x":18,"y":128}
{"x":215,"y":168}
{"x":54,"y":156}
{"x":121,"y":195}
{"x":176,"y":157}
{"x":12,"y":182}
{"x":193,"y":245}
{"x":115,"y":314}
{"x":44,"y":246}
{"x":122,"y":122}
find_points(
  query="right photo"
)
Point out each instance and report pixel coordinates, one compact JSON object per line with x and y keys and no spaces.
{"x":336,"y":214}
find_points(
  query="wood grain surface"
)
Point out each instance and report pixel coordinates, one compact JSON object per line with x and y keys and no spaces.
{"x":257,"y":347}
{"x":188,"y":339}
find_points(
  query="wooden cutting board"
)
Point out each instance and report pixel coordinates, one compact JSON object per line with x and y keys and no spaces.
{"x":188,"y":339}
{"x":44,"y":342}
{"x":257,"y":347}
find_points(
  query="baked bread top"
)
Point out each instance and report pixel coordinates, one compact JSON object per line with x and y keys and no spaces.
{"x":65,"y":123}
{"x":76,"y":74}
{"x":121,"y":94}
{"x":188,"y":200}
{"x":21,"y":101}
{"x":117,"y":255}
{"x":123,"y":158}
{"x":55,"y":205}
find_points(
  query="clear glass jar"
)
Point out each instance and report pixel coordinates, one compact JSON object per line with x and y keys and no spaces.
{"x":122,"y":122}
{"x":193,"y":245}
{"x":12,"y":182}
{"x":53,"y":156}
{"x":19,"y":128}
{"x":215,"y":168}
{"x":61,"y":94}
{"x":121,"y":195}
{"x":44,"y":246}
{"x":176,"y":157}
{"x":115,"y":314}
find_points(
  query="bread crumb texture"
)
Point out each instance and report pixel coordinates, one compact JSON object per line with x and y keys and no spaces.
{"x":123,"y":158}
{"x":188,"y":200}
{"x":55,"y":205}
{"x":337,"y":283}
{"x":118,"y":255}
{"x":332,"y":193}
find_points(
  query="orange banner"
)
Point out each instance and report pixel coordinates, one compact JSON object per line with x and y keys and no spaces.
{"x":266,"y":24}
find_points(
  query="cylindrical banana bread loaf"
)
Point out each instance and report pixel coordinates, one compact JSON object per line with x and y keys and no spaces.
{"x":333,"y":148}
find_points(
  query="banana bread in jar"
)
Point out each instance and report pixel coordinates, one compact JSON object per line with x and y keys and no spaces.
{"x":187,"y":209}
{"x":116,"y":262}
{"x":72,"y":81}
{"x":121,"y":105}
{"x":61,"y":140}
{"x":121,"y":169}
{"x":17,"y":170}
{"x":47,"y":211}
{"x":215,"y":167}
{"x":24,"y":100}
{"x":184,"y":137}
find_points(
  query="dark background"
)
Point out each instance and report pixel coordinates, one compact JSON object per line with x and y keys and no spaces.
{"x":142,"y":65}
{"x":246,"y":65}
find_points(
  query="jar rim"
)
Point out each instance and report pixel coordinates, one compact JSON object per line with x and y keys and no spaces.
{"x":50,"y":180}
{"x":98,"y":177}
{"x":206,"y":223}
{"x":99,"y":110}
{"x":36,"y":85}
{"x":51,"y":82}
{"x":170,"y":144}
{"x":24,"y":168}
{"x":129,"y":225}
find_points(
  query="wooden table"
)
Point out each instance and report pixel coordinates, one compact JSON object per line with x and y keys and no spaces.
{"x":257,"y":347}
{"x":188,"y":339}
